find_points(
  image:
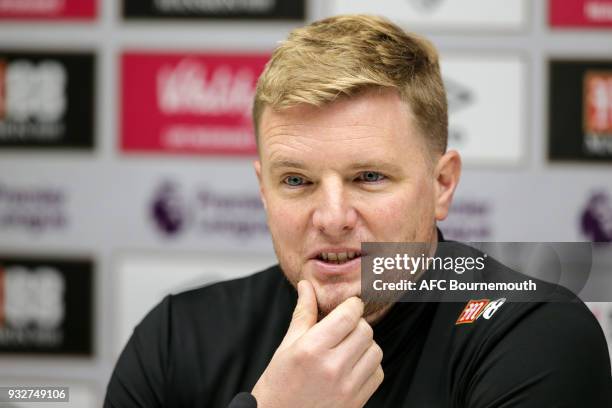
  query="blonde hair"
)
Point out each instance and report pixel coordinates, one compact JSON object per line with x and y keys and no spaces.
{"x":345,"y":55}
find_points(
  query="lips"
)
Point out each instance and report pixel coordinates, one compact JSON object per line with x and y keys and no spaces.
{"x":336,"y":261}
{"x":335,"y":255}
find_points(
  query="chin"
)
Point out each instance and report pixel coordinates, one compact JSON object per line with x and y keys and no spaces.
{"x":330,"y":295}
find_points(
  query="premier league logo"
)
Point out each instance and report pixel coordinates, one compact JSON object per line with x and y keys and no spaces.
{"x":168,"y":209}
{"x":596,"y":221}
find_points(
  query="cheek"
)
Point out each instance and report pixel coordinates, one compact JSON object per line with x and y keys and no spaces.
{"x":287,"y":226}
{"x":402,"y":215}
{"x":286,"y":220}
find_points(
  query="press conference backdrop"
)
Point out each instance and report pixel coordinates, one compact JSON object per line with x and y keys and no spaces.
{"x":126,"y":151}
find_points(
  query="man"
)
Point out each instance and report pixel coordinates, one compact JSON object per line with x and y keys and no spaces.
{"x":351,"y":120}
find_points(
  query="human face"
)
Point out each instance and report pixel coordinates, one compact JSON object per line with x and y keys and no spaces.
{"x":353,"y":171}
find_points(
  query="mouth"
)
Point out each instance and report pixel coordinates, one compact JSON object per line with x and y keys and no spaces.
{"x":338,"y":257}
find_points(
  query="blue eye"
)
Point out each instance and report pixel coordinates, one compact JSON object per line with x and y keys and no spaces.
{"x":293,"y":181}
{"x":371,"y":176}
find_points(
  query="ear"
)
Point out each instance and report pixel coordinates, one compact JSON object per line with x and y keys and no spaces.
{"x":447,"y":173}
{"x":257,"y":166}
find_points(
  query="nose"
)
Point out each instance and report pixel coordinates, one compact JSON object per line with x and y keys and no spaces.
{"x":334,"y":215}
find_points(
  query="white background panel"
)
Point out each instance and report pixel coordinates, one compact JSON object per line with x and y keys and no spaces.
{"x":444,"y":14}
{"x":489,"y":127}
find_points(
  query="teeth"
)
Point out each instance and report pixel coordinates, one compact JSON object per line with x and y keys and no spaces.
{"x":338,"y":257}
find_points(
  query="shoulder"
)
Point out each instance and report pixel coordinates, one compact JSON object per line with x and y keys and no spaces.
{"x":232,"y":299}
{"x":224,"y":306}
{"x":219,"y":320}
{"x":550,"y":322}
{"x":546,"y":348}
{"x":252,"y":286}
{"x":547,"y":328}
{"x":550,"y":353}
{"x":187,"y":339}
{"x":564,"y":332}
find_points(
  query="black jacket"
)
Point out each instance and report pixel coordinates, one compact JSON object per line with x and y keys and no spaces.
{"x":202,"y":347}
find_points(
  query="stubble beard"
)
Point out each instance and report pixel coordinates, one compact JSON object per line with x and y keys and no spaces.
{"x":370,"y":309}
{"x":373,"y":310}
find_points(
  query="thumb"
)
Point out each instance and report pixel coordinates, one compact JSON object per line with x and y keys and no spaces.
{"x":305,"y":313}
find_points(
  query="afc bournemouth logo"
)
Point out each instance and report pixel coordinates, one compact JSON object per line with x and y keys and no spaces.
{"x":597,"y":111}
{"x":476,"y":308}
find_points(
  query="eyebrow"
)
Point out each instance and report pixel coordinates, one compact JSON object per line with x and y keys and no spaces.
{"x":287,"y":163}
{"x":376,"y":165}
{"x":361,"y":165}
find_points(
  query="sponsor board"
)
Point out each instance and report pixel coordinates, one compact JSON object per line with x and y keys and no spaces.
{"x":175,"y":211}
{"x":214,"y":9}
{"x":46,"y":100}
{"x":511,"y":206}
{"x":442,"y":14}
{"x":580,"y":13}
{"x":48,"y":9}
{"x":211,"y":205}
{"x":470,"y":219}
{"x":189,"y":104}
{"x":580,"y":110}
{"x":486,"y":105}
{"x":45,"y":305}
{"x":145,"y":278}
{"x":40,"y":209}
{"x":33,"y":209}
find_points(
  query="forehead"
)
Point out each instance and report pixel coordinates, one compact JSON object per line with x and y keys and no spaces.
{"x":374,"y":124}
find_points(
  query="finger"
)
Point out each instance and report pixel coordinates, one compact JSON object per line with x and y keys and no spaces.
{"x":370,"y":386}
{"x":304,"y":314}
{"x":351,"y":349}
{"x":334,"y":327}
{"x":367,"y":364}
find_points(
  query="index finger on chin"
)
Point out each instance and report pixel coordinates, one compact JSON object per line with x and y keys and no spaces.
{"x":338,"y":324}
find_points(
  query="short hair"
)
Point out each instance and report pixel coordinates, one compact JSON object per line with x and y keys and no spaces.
{"x":345,"y":55}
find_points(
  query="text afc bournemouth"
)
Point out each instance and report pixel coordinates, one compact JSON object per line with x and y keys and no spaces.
{"x":453,"y":285}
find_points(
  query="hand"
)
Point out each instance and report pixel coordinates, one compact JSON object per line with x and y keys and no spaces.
{"x":334,"y":363}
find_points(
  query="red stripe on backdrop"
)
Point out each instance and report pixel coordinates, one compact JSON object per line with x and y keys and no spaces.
{"x":48,"y":9}
{"x":580,"y":13}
